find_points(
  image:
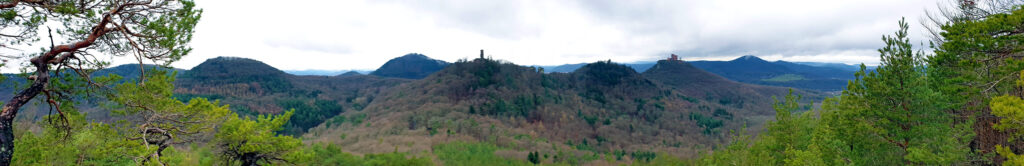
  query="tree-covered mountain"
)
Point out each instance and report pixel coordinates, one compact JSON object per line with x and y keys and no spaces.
{"x":314,"y":72}
{"x":601,"y":107}
{"x":696,"y":82}
{"x":350,"y":73}
{"x":842,"y":66}
{"x":252,"y":87}
{"x":411,"y":66}
{"x":751,"y":69}
{"x":754,"y":70}
{"x":567,"y":68}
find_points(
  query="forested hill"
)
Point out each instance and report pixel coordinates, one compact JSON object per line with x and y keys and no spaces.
{"x":252,"y":87}
{"x":692,"y":81}
{"x":601,"y":107}
{"x":829,"y":77}
{"x":751,"y":69}
{"x":411,"y":66}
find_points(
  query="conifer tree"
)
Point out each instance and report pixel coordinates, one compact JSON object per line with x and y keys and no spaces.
{"x":892,"y":114}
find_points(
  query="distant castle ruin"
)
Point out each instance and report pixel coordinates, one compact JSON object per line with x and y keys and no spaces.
{"x":674,"y":57}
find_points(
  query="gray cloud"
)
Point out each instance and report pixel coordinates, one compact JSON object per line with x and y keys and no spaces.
{"x":360,"y":34}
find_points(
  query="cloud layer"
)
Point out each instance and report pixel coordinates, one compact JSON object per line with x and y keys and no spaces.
{"x":357,"y":34}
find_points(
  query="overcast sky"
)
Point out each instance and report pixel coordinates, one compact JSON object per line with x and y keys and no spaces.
{"x":356,"y":34}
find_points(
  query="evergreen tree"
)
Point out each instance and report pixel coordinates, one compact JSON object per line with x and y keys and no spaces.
{"x":1011,"y":110}
{"x":892,"y":115}
{"x":533,"y":157}
{"x":93,"y":33}
{"x":255,"y":142}
{"x":151,"y":122}
{"x":971,"y":65}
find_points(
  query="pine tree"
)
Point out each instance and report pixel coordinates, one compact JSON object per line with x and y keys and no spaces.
{"x":892,"y":114}
{"x":533,"y":157}
{"x":1011,"y":110}
{"x":253,"y":142}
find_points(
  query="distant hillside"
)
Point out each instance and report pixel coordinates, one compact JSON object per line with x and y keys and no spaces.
{"x":692,"y":81}
{"x":567,"y":68}
{"x":350,"y":73}
{"x":234,"y":72}
{"x":751,"y":69}
{"x":32,"y":112}
{"x":252,"y":87}
{"x":411,"y":66}
{"x":842,"y":66}
{"x":600,"y":107}
{"x":754,"y":70}
{"x":324,"y":72}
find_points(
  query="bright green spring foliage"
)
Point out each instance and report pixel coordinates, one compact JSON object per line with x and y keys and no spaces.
{"x":331,"y":154}
{"x":255,"y":142}
{"x":892,"y":114}
{"x":87,"y":144}
{"x":151,"y":121}
{"x":467,"y":154}
{"x":792,"y":139}
{"x":1011,"y":110}
{"x":153,"y":117}
{"x":887,"y":117}
{"x":973,"y":58}
{"x":973,"y":65}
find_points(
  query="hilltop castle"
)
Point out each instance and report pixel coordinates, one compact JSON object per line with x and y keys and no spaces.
{"x":674,"y":57}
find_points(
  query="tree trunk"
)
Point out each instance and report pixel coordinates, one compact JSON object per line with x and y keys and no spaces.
{"x":6,"y":141}
{"x":10,"y":109}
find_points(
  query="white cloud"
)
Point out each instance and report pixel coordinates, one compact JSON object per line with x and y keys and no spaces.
{"x":363,"y":34}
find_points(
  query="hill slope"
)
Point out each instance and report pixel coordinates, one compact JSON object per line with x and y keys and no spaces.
{"x":689,"y":80}
{"x":411,"y":66}
{"x":754,"y":70}
{"x":252,"y":87}
{"x":600,"y":107}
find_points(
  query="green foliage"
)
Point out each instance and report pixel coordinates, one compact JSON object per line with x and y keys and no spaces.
{"x":533,"y":157}
{"x":742,"y":150}
{"x":1011,"y":158}
{"x":971,"y":64}
{"x":890,"y":116}
{"x":309,"y":115}
{"x":591,"y":120}
{"x":722,"y":113}
{"x":158,"y":119}
{"x":606,"y":73}
{"x":471,"y":154}
{"x":785,"y":78}
{"x":1011,"y":109}
{"x":244,"y":141}
{"x":86,"y":144}
{"x":156,"y":32}
{"x":331,"y":154}
{"x":248,"y":75}
{"x":709,"y":124}
{"x":645,"y":156}
{"x":893,"y":112}
{"x":153,"y":119}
